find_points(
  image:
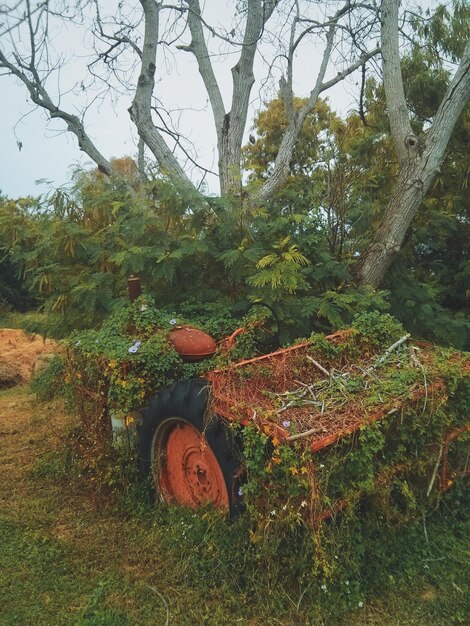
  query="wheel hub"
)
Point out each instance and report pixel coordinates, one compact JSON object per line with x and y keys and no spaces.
{"x":188,"y":471}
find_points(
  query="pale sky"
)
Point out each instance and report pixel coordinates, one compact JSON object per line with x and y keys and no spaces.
{"x":47,"y":153}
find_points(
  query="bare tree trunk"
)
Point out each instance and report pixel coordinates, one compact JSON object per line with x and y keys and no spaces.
{"x":258,"y":13}
{"x":419,"y":158}
{"x":141,"y":107}
{"x":230,"y":126}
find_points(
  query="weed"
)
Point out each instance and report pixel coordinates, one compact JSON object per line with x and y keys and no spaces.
{"x":49,"y":383}
{"x":51,"y":466}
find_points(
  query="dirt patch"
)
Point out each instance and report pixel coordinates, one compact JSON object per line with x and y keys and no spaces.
{"x":24,"y":351}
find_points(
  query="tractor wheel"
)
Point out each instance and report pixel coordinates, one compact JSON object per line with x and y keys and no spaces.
{"x":191,"y":458}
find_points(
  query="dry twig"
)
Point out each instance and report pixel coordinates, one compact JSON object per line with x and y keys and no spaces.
{"x":381,"y":359}
{"x":320,"y":367}
{"x":434,"y":474}
{"x":165,"y":603}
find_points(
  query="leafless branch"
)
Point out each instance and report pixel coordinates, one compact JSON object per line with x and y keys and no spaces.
{"x":26,"y":70}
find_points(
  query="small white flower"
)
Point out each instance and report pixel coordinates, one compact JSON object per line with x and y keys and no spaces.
{"x":347,"y":582}
{"x":284,"y":507}
{"x":173,"y":321}
{"x":78,"y":343}
{"x":273,"y":512}
{"x":323,"y":587}
{"x":360,"y":604}
{"x":303,"y":504}
{"x":143,"y":308}
{"x":286,"y":423}
{"x":321,"y":466}
{"x":240,"y":491}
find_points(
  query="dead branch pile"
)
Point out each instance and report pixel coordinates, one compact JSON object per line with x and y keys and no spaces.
{"x":298,"y":393}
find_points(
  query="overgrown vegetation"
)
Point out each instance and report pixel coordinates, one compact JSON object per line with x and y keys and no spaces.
{"x":392,"y":414}
{"x":75,"y":249}
{"x":206,"y":268}
{"x":329,"y":523}
{"x":125,"y":561}
{"x":312,"y":521}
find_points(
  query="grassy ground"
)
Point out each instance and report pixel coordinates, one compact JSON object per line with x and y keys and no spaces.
{"x":71,"y":554}
{"x":12,"y":319}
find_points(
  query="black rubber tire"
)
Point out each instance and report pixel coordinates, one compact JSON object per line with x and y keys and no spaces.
{"x":188,"y":400}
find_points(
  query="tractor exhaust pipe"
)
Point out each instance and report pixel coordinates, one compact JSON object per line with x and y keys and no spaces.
{"x":134,"y":287}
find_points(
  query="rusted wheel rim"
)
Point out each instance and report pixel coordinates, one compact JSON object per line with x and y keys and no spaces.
{"x":185,"y":469}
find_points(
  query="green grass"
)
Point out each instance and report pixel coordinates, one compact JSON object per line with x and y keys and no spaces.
{"x":74,"y":554}
{"x":46,"y":581}
{"x":33,"y":321}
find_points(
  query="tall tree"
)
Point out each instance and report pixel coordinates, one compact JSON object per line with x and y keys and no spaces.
{"x":419,"y":158}
{"x":278,"y":29}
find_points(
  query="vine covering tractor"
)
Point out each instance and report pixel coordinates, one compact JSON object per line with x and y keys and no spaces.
{"x":187,"y":446}
{"x":360,"y":413}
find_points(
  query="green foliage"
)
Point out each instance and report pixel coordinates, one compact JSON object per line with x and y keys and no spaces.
{"x":432,"y":300}
{"x":380,"y":476}
{"x":49,"y":383}
{"x":111,"y":371}
{"x":13,"y":292}
{"x":352,"y":182}
{"x":281,"y":270}
{"x":73,"y":252}
{"x":444,"y":31}
{"x":380,"y":329}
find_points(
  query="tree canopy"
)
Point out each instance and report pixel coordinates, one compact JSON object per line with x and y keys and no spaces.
{"x":130,"y":45}
{"x":76,"y":249}
{"x":314,"y":210}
